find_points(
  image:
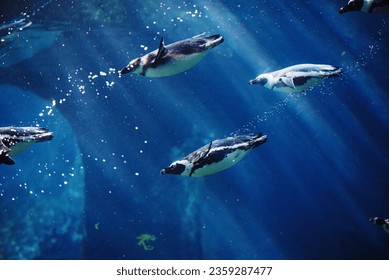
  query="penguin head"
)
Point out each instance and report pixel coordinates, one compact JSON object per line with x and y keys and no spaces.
{"x":133,"y":67}
{"x":352,"y":5}
{"x":377,"y":221}
{"x":176,"y":168}
{"x":261,"y":79}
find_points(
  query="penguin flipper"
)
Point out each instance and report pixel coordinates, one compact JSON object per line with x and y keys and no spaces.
{"x":161,"y":51}
{"x":201,"y":157}
{"x":4,"y":148}
{"x":288,"y":81}
{"x":5,"y":159}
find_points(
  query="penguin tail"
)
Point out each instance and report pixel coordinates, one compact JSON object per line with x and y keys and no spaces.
{"x":336,"y":72}
{"x":213,"y":37}
{"x":258,"y":139}
{"x":213,"y":40}
{"x":46,"y":136}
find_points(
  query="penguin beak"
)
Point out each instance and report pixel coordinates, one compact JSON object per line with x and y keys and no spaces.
{"x":131,"y":67}
{"x":253,"y":81}
{"x":348,"y":8}
{"x":343,"y":10}
{"x":125,"y":71}
{"x":45,"y":136}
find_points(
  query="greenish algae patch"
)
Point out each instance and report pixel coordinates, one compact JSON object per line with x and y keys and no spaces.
{"x":144,"y":239}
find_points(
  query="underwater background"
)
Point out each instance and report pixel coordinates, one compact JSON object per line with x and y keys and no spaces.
{"x":95,"y":191}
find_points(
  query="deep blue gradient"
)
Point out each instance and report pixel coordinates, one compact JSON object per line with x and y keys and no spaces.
{"x":307,"y":193}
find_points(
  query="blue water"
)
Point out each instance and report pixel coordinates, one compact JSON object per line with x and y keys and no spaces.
{"x":307,"y":193}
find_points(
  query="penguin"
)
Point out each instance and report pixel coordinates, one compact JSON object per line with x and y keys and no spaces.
{"x":381,"y":222}
{"x":215,"y":156}
{"x":174,"y":58}
{"x":367,"y":6}
{"x":300,"y":77}
{"x":14,"y":140}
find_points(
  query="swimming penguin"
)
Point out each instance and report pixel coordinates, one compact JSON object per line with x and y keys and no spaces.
{"x":367,"y":6}
{"x":215,"y":156}
{"x":297,"y":77}
{"x":14,"y":140}
{"x":174,"y":58}
{"x":381,"y":222}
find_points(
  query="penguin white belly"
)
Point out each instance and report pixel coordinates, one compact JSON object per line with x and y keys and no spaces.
{"x":230,"y":160}
{"x":176,"y":65}
{"x":20,"y":147}
{"x":311,"y":83}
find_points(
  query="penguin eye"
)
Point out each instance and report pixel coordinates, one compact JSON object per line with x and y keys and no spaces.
{"x":351,"y":3}
{"x":176,"y":168}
